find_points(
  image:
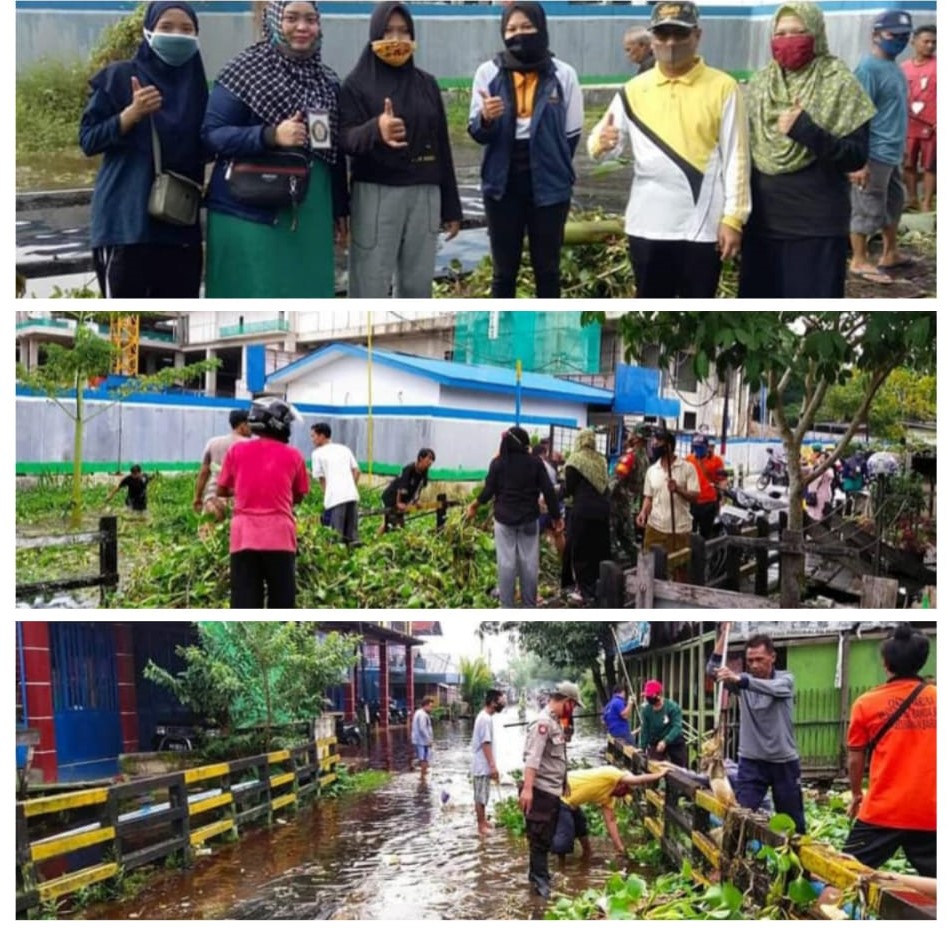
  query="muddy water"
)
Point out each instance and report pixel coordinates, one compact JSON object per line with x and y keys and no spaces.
{"x":407,"y":851}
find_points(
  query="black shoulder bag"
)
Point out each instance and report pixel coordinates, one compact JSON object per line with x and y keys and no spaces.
{"x":892,"y":719}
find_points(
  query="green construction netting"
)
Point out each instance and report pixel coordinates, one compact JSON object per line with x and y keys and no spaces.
{"x":546,"y":343}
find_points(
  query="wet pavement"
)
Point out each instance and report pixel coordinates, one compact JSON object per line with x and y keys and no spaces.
{"x":409,"y":850}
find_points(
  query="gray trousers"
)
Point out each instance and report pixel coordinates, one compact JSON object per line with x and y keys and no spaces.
{"x":517,"y":557}
{"x":394,"y":241}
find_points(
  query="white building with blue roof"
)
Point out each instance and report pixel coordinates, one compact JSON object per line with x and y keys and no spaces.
{"x":386,"y":405}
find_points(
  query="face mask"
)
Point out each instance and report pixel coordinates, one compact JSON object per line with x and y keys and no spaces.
{"x":700,"y":452}
{"x":656,"y":454}
{"x":394,"y":52}
{"x":793,"y":52}
{"x":652,"y":701}
{"x":172,"y":48}
{"x":528,"y":47}
{"x":676,"y":56}
{"x":893,"y":47}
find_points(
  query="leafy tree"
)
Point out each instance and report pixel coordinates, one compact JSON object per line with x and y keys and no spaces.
{"x":476,"y":680}
{"x":905,"y":396}
{"x":786,"y":351}
{"x":569,"y":647}
{"x":66,"y":373}
{"x":244,"y":674}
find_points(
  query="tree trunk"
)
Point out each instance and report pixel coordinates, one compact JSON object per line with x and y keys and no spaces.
{"x":793,"y":562}
{"x":75,"y":513}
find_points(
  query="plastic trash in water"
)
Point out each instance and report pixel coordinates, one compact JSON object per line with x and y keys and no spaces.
{"x":445,"y":796}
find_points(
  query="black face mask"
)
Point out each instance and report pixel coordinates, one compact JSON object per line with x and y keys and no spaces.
{"x":656,"y":454}
{"x":652,"y":700}
{"x":528,"y":47}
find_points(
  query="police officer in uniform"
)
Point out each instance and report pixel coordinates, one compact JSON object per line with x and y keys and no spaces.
{"x":544,"y":780}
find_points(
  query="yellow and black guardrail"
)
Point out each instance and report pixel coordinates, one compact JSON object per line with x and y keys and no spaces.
{"x":679,"y":818}
{"x":125,"y":826}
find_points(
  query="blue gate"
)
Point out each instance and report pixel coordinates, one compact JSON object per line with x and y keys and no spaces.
{"x":85,"y":700}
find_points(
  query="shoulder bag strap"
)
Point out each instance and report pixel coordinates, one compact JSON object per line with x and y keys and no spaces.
{"x":156,"y":148}
{"x":895,"y":716}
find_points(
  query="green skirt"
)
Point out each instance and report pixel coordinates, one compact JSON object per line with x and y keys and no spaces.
{"x":261,"y":260}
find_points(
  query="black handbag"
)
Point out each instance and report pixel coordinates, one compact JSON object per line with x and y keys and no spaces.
{"x":271,"y":181}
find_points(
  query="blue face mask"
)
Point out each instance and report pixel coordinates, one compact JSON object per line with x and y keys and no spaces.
{"x":173,"y":48}
{"x":893,"y":47}
{"x":700,"y":451}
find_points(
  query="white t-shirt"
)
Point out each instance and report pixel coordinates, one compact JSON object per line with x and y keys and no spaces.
{"x":482,"y":735}
{"x":335,"y":464}
{"x":656,"y":487}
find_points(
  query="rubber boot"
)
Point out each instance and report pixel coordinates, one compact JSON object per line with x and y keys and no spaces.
{"x":539,"y":872}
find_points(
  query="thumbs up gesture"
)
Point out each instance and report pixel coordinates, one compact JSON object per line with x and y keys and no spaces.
{"x":608,"y":137}
{"x":392,"y":128}
{"x":145,"y":101}
{"x":292,"y":132}
{"x":787,"y":119}
{"x":492,"y":107}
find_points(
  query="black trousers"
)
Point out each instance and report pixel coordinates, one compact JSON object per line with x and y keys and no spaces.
{"x":704,"y":515}
{"x":802,"y":269}
{"x":874,"y":845}
{"x":589,"y":545}
{"x":507,"y":221}
{"x":130,"y":272}
{"x":262,"y":579}
{"x":674,"y":269}
{"x":541,"y":824}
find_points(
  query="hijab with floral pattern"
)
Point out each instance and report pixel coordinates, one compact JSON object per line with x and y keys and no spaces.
{"x":828,"y":91}
{"x":588,"y":461}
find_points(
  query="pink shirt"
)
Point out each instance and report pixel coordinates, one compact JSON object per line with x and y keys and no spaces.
{"x":266,"y":477}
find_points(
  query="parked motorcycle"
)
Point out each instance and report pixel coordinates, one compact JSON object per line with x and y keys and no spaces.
{"x":776,"y":472}
{"x":739,"y":510}
{"x":347,"y":733}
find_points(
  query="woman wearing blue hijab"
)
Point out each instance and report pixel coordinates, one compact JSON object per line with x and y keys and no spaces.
{"x":163,"y":86}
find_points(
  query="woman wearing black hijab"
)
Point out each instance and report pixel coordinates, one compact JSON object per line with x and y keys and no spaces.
{"x":162,"y":86}
{"x":403,"y":185}
{"x":527,"y":112}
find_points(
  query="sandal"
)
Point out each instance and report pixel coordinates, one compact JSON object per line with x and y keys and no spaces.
{"x":872,"y":277}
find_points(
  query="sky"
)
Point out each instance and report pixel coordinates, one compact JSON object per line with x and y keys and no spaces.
{"x":461,"y":641}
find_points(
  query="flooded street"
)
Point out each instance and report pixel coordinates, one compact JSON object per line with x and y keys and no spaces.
{"x":406,"y":851}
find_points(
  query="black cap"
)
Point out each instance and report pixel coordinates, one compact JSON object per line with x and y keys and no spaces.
{"x":674,"y":14}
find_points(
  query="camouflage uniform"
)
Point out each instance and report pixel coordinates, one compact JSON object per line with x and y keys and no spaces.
{"x":625,"y":492}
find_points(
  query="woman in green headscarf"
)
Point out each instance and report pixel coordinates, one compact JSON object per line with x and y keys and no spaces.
{"x":587,"y":533}
{"x":809,"y":119}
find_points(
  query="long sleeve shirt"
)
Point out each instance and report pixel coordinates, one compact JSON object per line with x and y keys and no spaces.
{"x":688,"y":140}
{"x":766,"y":710}
{"x":664,"y":725}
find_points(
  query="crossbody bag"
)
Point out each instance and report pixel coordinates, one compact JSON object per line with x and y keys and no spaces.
{"x":174,"y":199}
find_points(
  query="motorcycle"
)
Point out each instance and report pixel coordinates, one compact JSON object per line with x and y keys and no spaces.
{"x":739,"y":510}
{"x":347,"y":733}
{"x":776,"y":472}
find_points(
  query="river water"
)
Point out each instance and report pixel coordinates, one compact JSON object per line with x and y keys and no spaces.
{"x":409,"y":850}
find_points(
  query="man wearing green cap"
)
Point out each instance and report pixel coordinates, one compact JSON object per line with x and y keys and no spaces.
{"x":545,"y":766}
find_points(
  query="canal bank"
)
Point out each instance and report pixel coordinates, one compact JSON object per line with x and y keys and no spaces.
{"x":409,"y":850}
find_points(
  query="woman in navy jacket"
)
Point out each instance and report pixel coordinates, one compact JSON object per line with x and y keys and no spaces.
{"x":527,"y":112}
{"x":260,"y":104}
{"x":163,"y":85}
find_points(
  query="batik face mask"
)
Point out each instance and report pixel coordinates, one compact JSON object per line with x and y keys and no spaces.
{"x":394,"y":52}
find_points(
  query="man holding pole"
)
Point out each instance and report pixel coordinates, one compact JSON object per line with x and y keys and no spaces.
{"x":768,"y":757}
{"x":670,"y":487}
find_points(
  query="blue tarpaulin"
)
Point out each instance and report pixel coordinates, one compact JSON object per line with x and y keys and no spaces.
{"x":638,"y":391}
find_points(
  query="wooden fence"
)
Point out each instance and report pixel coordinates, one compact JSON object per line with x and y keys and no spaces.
{"x":720,"y":843}
{"x":69,"y":841}
{"x":107,"y":578}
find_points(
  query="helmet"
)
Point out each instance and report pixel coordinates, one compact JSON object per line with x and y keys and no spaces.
{"x":883,"y":463}
{"x":644,"y":431}
{"x":625,"y":466}
{"x":273,"y":417}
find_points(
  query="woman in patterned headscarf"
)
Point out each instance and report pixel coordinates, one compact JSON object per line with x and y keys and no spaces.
{"x":809,"y":121}
{"x":261,"y":104}
{"x":587,"y":533}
